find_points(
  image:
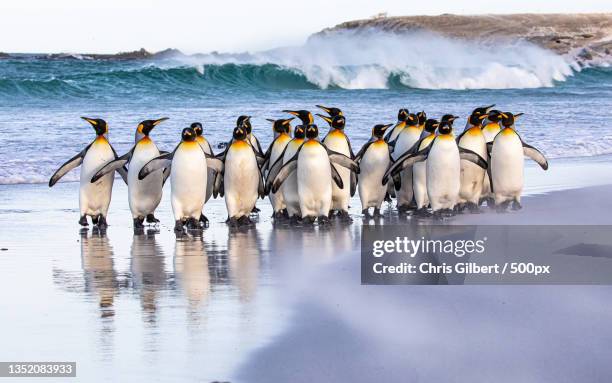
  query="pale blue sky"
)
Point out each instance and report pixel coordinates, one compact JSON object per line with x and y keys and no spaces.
{"x":224,"y":25}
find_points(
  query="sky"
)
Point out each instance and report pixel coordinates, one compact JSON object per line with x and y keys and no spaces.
{"x":107,"y":26}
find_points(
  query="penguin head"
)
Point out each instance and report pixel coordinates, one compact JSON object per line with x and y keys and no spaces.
{"x":312,"y":131}
{"x":197,"y":128}
{"x":245,"y":122}
{"x":476,"y":118}
{"x":146,"y":126}
{"x":482,"y":110}
{"x":402,"y":115}
{"x":304,"y":116}
{"x":412,"y":120}
{"x":378,"y":131}
{"x":188,"y":135}
{"x":446,"y":124}
{"x":281,"y":126}
{"x":240,"y":133}
{"x":299,"y":132}
{"x":336,"y":122}
{"x":494,"y":115}
{"x":99,"y":125}
{"x":431,"y":125}
{"x":422,"y":116}
{"x":333,"y":112}
{"x":508,"y":119}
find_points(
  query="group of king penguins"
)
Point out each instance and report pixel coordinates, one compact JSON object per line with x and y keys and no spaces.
{"x":417,"y":160}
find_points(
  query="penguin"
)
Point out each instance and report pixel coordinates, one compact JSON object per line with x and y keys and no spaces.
{"x":314,"y":165}
{"x":331,"y":111}
{"x":472,"y":176}
{"x":304,"y":116}
{"x":210,"y":176}
{"x":422,"y":116}
{"x":188,"y":163}
{"x":281,"y":130}
{"x":373,"y":159}
{"x":245,"y":122}
{"x":507,"y":153}
{"x":94,"y":198}
{"x":143,"y":195}
{"x":402,"y":115}
{"x":490,"y":127}
{"x":338,"y":141}
{"x":403,"y":143}
{"x":419,"y":169}
{"x":289,"y":188}
{"x":242,"y":179}
{"x":443,"y":167}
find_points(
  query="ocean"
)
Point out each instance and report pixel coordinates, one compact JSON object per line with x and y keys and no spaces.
{"x":567,"y":107}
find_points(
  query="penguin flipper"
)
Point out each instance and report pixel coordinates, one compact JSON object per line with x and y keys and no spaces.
{"x":535,"y":155}
{"x":159,"y":162}
{"x":218,"y":185}
{"x":362,"y":151}
{"x":284,"y":173}
{"x":123,"y":172}
{"x":336,"y":176}
{"x":68,"y":166}
{"x":342,"y":160}
{"x":353,"y":183}
{"x":116,"y":164}
{"x":276,"y":166}
{"x":407,"y":159}
{"x":214,"y":163}
{"x":467,"y":154}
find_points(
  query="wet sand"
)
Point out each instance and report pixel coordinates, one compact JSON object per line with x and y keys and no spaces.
{"x":279,"y":303}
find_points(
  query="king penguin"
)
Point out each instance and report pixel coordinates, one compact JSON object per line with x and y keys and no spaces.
{"x":419,"y":169}
{"x":402,"y":115}
{"x":507,"y":153}
{"x":210,"y":176}
{"x":94,"y":198}
{"x":403,"y":143}
{"x":281,"y":129}
{"x":143,"y":195}
{"x":443,"y":167}
{"x":337,"y":140}
{"x":373,"y":159}
{"x":314,"y":165}
{"x":472,"y":175}
{"x":289,"y":188}
{"x":490,"y":127}
{"x":242,"y":179}
{"x":188,"y":164}
{"x":245,"y":123}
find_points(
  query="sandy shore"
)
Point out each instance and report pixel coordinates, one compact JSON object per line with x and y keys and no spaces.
{"x":284,"y":303}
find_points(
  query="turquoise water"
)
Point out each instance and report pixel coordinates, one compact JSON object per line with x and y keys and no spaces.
{"x":567,"y":110}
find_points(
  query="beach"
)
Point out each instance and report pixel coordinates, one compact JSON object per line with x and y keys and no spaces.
{"x":283,"y":303}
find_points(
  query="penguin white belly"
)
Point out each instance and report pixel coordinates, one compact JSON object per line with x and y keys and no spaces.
{"x":419,"y":184}
{"x":241,"y":180}
{"x":289,"y":188}
{"x":144,"y":195}
{"x":372,"y":168}
{"x":405,"y":141}
{"x":94,"y":198}
{"x":210,"y":174}
{"x":188,"y":181}
{"x":276,"y":199}
{"x":507,"y":162}
{"x":314,"y":180}
{"x":336,"y":141}
{"x":472,"y":175}
{"x":443,"y":173}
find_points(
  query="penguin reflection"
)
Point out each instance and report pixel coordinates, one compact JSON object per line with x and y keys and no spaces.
{"x":191,"y":269}
{"x":243,"y":252}
{"x":148,"y":274}
{"x":98,"y":272}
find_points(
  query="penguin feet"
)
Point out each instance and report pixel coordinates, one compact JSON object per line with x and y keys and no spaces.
{"x":402,"y":209}
{"x":422,"y":212}
{"x":232,"y":222}
{"x":151,"y":219}
{"x":83,"y":221}
{"x":490,"y":202}
{"x":437,"y":215}
{"x":204,"y":220}
{"x":366,"y":213}
{"x":193,"y":224}
{"x":138,"y":223}
{"x":516,"y":205}
{"x":387,"y":198}
{"x":245,"y":221}
{"x":278,"y":215}
{"x":94,"y":220}
{"x":458,"y":208}
{"x":178,"y":226}
{"x":345,"y":216}
{"x":255,"y":210}
{"x":324,"y":220}
{"x":309,"y":220}
{"x":102,"y":224}
{"x":502,"y":207}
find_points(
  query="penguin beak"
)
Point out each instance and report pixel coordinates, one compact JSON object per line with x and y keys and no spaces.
{"x":270,"y":120}
{"x":291,"y":112}
{"x":488,"y":108}
{"x":91,"y":121}
{"x":323,"y":108}
{"x":518,"y":114}
{"x":159,"y":121}
{"x":327,"y":119}
{"x":385,"y":127}
{"x":453,"y":118}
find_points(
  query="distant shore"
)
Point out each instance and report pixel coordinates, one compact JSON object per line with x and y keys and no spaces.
{"x":587,"y":37}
